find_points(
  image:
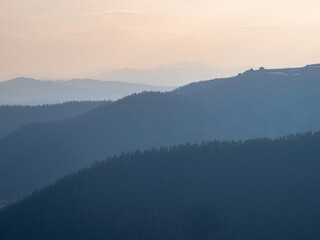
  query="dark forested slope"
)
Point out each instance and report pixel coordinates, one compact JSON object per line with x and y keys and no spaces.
{"x":40,"y":153}
{"x":259,"y":189}
{"x":13,"y":117}
{"x":259,"y":103}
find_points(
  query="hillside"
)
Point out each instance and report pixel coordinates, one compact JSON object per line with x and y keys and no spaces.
{"x":263,"y":103}
{"x":28,"y":91}
{"x":14,"y":117}
{"x":258,"y":189}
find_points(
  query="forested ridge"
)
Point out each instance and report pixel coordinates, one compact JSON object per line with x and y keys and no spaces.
{"x":12,"y":117}
{"x":262,"y":103}
{"x":257,"y":189}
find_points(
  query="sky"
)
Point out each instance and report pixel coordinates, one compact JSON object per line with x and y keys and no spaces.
{"x":69,"y":38}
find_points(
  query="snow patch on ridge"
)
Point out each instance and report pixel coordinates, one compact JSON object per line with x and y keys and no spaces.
{"x":279,"y":73}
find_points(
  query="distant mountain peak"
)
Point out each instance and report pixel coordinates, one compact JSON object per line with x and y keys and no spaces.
{"x":28,"y":91}
{"x":22,"y":79}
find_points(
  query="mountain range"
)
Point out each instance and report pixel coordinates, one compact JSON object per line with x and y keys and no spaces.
{"x":256,"y":103}
{"x":28,"y":91}
{"x":176,"y":74}
{"x":14,"y":117}
{"x":258,"y":189}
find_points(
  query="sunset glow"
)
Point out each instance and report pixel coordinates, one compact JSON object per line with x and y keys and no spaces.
{"x":70,"y":38}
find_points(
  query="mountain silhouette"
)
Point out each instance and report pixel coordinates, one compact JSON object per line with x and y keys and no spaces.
{"x":257,"y":189}
{"x":28,"y":91}
{"x":175,"y":74}
{"x":262,"y":103}
{"x":13,"y":117}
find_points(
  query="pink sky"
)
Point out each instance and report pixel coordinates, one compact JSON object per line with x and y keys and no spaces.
{"x":67,"y":38}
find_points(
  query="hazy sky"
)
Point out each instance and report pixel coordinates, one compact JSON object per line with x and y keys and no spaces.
{"x":66,"y":38}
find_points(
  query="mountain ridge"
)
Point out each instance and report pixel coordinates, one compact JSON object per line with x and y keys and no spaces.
{"x":14,"y":117}
{"x":255,"y":189}
{"x":29,"y":91}
{"x":253,"y":104}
